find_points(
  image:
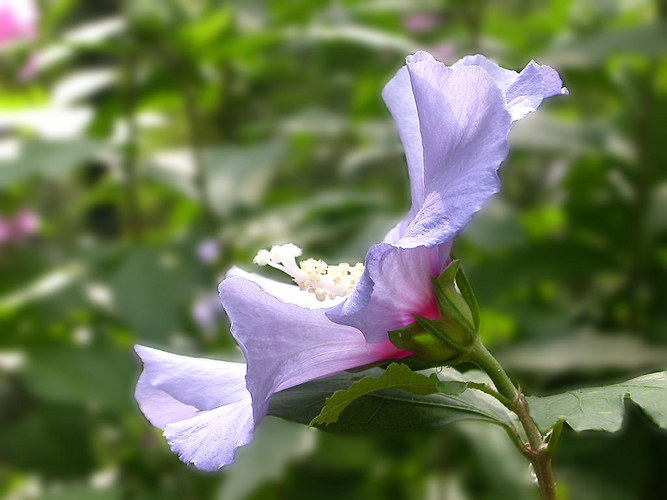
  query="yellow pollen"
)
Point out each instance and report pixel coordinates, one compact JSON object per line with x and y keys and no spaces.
{"x":315,"y":276}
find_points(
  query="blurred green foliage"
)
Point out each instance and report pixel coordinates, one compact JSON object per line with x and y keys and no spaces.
{"x":153,"y":126}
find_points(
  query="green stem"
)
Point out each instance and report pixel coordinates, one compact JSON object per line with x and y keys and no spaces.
{"x":536,"y":451}
{"x":479,"y":355}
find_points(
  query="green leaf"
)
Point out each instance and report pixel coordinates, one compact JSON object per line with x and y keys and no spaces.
{"x":389,"y":410}
{"x":396,"y":376}
{"x":584,"y":351}
{"x":276,"y":444}
{"x":602,"y":408}
{"x":236,"y":176}
{"x":584,"y":52}
{"x":151,"y":289}
{"x":99,"y":375}
{"x":46,"y":159}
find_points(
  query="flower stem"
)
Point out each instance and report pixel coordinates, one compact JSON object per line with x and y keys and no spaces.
{"x":536,"y":448}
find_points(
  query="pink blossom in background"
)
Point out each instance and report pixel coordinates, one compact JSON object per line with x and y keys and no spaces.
{"x":18,"y":20}
{"x":445,"y":51}
{"x":421,"y":22}
{"x":24,"y":225}
{"x":5,"y":231}
{"x":30,"y":69}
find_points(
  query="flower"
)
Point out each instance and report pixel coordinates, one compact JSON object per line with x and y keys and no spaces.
{"x":206,"y":312}
{"x":18,"y":20}
{"x":24,"y":225}
{"x":422,"y":22}
{"x":5,"y":231}
{"x":19,"y":228}
{"x":453,"y":123}
{"x":208,"y":251}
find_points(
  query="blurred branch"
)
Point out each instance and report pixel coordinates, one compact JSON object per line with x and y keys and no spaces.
{"x":643,"y":182}
{"x":130,"y":148}
{"x":473,"y":12}
{"x":194,"y":131}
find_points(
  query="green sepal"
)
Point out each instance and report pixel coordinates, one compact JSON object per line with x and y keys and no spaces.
{"x":451,"y":302}
{"x":433,"y":342}
{"x":468,"y":295}
{"x":448,"y":330}
{"x":428,"y":350}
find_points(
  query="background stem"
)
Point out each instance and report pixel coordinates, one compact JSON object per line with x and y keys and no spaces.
{"x":130,"y":147}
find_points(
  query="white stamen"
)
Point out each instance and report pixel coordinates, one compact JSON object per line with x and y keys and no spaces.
{"x":315,"y":276}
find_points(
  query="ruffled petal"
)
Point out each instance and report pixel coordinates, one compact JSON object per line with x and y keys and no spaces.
{"x":400,"y":286}
{"x":525,"y":91}
{"x":209,"y":440}
{"x":503,"y":77}
{"x":464,"y":127}
{"x":286,"y":345}
{"x":202,"y":406}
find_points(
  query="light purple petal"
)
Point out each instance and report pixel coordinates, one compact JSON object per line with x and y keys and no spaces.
{"x":525,"y":91}
{"x":553,"y":85}
{"x":503,"y":77}
{"x":464,"y":126}
{"x":202,"y":383}
{"x":202,"y":405}
{"x":400,"y":282}
{"x":400,"y":101}
{"x":290,"y":294}
{"x":159,"y":407}
{"x":209,"y":440}
{"x":286,"y":345}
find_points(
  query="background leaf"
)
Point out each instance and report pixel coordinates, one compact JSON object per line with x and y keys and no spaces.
{"x":602,"y":408}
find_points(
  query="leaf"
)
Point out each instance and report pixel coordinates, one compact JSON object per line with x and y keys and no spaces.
{"x":80,"y":85}
{"x":151,"y":289}
{"x":84,"y":492}
{"x":396,"y":376}
{"x":235,"y":175}
{"x":388,"y":410}
{"x":275,"y":445}
{"x":585,"y":351}
{"x":602,"y":408}
{"x":98,"y":375}
{"x":46,"y":158}
{"x":360,"y":35}
{"x":584,"y":52}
